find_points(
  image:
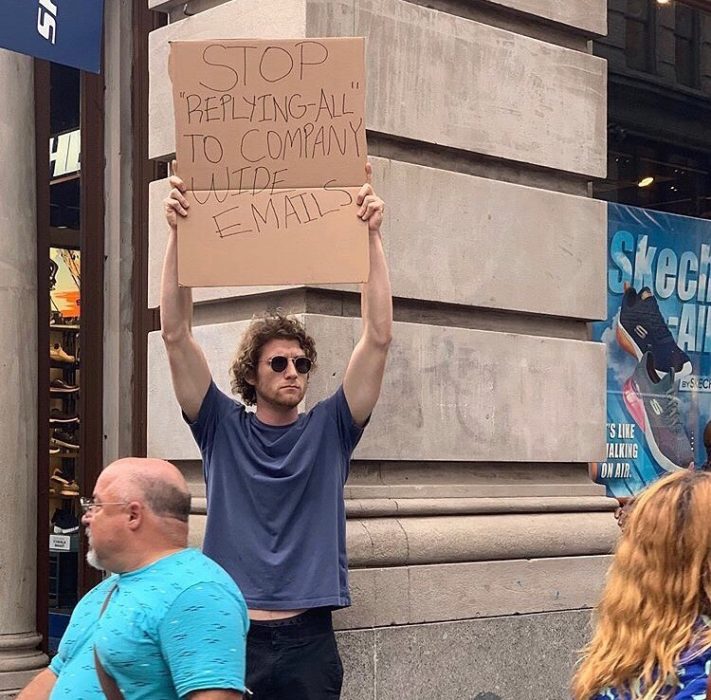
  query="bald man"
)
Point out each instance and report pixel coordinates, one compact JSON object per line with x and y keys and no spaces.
{"x":169,"y":622}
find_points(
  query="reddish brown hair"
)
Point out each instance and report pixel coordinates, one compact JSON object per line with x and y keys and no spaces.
{"x":260,"y":332}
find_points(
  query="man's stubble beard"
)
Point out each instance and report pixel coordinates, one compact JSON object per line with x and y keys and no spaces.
{"x":286,"y":402}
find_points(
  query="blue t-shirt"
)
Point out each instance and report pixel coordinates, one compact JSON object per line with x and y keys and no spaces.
{"x":693,"y":671}
{"x":171,"y":628}
{"x":275,"y":512}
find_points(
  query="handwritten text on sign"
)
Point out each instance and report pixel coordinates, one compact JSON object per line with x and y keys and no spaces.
{"x":270,"y":140}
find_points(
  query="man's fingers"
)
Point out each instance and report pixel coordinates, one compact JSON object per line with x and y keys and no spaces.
{"x":364,"y":192}
{"x":178,"y":195}
{"x":371,"y":204}
{"x":174,"y":167}
{"x":175,"y":205}
{"x":364,"y":201}
{"x":369,"y":173}
{"x":177,"y":183}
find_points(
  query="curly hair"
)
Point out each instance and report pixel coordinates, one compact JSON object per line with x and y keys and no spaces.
{"x":657,"y":587}
{"x":263,"y":329}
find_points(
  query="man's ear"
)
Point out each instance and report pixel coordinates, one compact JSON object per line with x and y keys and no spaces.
{"x":135,"y":514}
{"x":250,"y":378}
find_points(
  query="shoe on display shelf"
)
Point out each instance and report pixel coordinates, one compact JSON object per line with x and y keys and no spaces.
{"x":57,"y":416}
{"x":64,"y":522}
{"x":64,"y":531}
{"x":641,"y":328}
{"x":71,"y":490}
{"x":652,"y":402}
{"x":57,"y":354}
{"x":58,"y":386}
{"x":63,"y":439}
{"x":64,"y":483}
{"x":55,"y":449}
{"x":60,"y":477}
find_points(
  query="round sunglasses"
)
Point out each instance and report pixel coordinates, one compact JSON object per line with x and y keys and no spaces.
{"x":279,"y":363}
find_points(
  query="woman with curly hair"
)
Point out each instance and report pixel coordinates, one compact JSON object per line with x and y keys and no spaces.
{"x":652,"y":638}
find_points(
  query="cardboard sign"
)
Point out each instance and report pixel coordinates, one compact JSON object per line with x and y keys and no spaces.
{"x":270,"y":141}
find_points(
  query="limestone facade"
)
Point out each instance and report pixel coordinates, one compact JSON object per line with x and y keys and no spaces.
{"x":468,"y":502}
{"x":477,"y":541}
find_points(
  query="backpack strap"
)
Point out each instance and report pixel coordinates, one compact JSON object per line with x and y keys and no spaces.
{"x":108,"y":684}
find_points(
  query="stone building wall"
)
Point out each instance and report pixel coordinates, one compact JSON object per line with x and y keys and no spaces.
{"x":477,"y":542}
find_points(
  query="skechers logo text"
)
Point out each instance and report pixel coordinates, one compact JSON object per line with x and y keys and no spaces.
{"x":47,"y":20}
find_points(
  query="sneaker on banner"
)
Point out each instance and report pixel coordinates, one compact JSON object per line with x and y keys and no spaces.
{"x":57,"y":354}
{"x":57,"y":416}
{"x":641,"y":328}
{"x":57,"y":386}
{"x":653,"y":404}
{"x":63,"y":439}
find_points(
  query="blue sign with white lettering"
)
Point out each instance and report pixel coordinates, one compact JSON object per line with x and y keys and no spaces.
{"x":68,"y":32}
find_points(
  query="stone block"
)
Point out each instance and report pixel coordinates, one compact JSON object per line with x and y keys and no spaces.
{"x":448,"y":393}
{"x":237,"y":18}
{"x":502,"y":483}
{"x":471,"y":395}
{"x":586,"y":15}
{"x":471,"y":231}
{"x":445,"y":538}
{"x":589,"y":16}
{"x":500,"y":658}
{"x":511,"y":96}
{"x":358,"y":655}
{"x":440,"y":592}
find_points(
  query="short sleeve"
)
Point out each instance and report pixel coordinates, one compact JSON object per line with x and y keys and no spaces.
{"x":213,"y":408}
{"x":349,"y":432}
{"x":56,"y":664}
{"x":203,"y":638}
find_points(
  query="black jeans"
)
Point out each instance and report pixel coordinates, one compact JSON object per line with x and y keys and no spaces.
{"x":294,"y":659}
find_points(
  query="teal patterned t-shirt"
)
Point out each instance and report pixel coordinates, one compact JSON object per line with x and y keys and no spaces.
{"x":171,"y":628}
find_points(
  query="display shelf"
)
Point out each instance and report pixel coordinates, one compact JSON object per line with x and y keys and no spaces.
{"x":64,"y":327}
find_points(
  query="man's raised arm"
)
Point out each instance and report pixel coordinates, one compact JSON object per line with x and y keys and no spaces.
{"x":188,"y":366}
{"x":364,"y":374}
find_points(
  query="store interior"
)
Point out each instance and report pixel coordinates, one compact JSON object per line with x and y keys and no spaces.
{"x":64,"y":381}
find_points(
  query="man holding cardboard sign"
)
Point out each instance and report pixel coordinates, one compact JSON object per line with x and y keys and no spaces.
{"x":276,"y":516}
{"x":271,"y":138}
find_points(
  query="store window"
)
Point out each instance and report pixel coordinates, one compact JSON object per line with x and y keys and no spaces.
{"x":640,"y":34}
{"x":64,"y":381}
{"x":653,"y":175}
{"x":70,"y":254}
{"x":687,"y":39}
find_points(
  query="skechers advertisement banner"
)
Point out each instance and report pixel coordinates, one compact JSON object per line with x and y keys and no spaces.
{"x":63,"y":31}
{"x":658,"y":338}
